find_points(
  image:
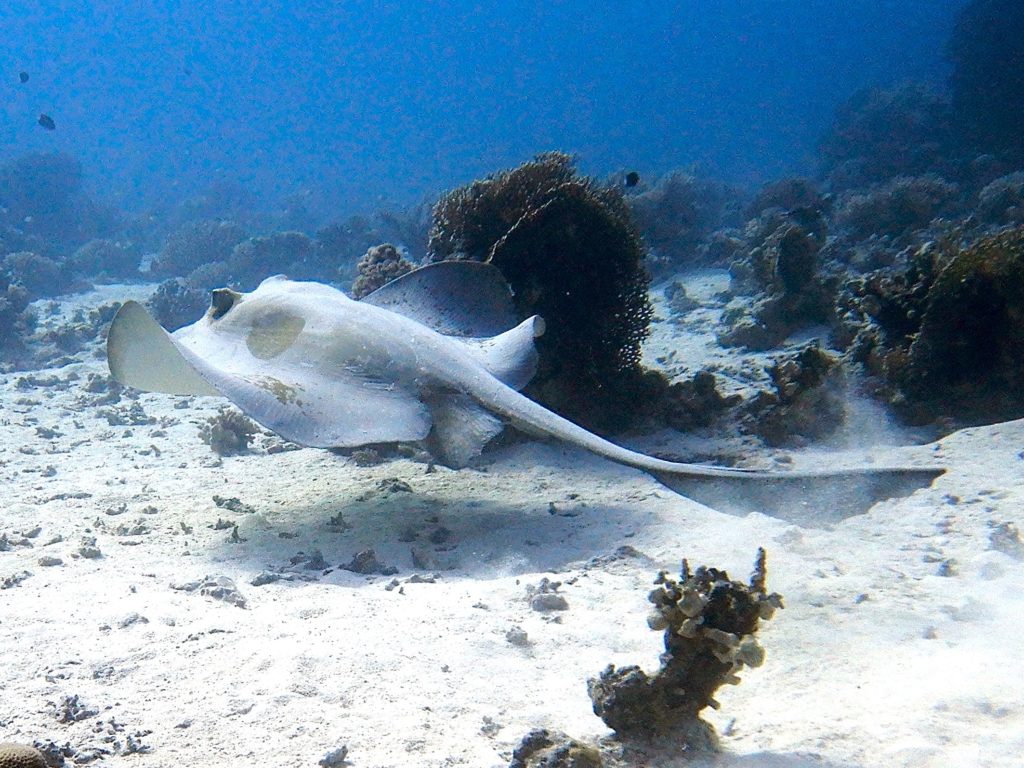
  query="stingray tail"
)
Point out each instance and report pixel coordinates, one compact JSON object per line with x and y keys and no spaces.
{"x":820,"y":496}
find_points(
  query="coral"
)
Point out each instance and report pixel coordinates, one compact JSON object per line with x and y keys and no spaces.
{"x":684,"y":405}
{"x":882,"y":133}
{"x":898,"y":205}
{"x":709,"y":625}
{"x":105,"y":259}
{"x":570,"y":251}
{"x":804,"y":405}
{"x":409,"y":229}
{"x":175,"y":303}
{"x":944,"y":335}
{"x":786,"y":194}
{"x":195,"y":244}
{"x":16,"y":319}
{"x":229,"y":432}
{"x":20,"y":756}
{"x":207,"y":277}
{"x":1002,"y":200}
{"x":780,"y":262}
{"x":286,"y":253}
{"x":967,"y":357}
{"x":986,"y":49}
{"x":676,"y":215}
{"x":380,"y":265}
{"x":39,"y":275}
{"x":541,"y":748}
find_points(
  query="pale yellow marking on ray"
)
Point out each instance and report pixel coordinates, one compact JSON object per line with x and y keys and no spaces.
{"x":273,"y":333}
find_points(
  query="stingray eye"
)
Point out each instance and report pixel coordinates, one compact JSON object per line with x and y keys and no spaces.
{"x":222,"y":300}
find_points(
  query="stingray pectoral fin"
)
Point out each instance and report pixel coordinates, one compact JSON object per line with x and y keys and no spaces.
{"x":805,"y":498}
{"x":316,"y":408}
{"x":142,"y":355}
{"x":461,"y":429}
{"x":510,"y":356}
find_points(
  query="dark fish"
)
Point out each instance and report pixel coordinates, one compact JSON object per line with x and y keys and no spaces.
{"x":47,"y":122}
{"x":632,"y":179}
{"x":23,"y":76}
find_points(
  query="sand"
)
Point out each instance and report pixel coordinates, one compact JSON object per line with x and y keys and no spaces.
{"x":132,"y":631}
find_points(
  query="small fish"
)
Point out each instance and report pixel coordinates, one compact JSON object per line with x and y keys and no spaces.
{"x":47,"y":122}
{"x":632,"y":179}
{"x":23,"y":76}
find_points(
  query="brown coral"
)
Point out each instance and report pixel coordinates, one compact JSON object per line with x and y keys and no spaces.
{"x":20,"y":756}
{"x":381,"y":264}
{"x":709,"y":623}
{"x":571,"y":253}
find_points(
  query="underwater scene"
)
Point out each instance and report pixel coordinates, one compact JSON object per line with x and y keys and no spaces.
{"x":512,"y":385}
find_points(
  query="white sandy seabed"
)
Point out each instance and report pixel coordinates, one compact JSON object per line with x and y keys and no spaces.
{"x":899,"y":645}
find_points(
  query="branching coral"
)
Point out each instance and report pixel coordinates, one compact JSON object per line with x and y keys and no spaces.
{"x":229,"y":432}
{"x":709,"y":624}
{"x":381,"y":264}
{"x":570,"y":251}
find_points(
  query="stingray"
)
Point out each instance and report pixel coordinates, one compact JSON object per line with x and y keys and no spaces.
{"x":436,"y":356}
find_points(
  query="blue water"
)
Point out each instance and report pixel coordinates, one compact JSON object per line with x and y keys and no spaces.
{"x":370,"y":103}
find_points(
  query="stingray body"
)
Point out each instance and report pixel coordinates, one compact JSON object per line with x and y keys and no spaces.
{"x":434,"y":355}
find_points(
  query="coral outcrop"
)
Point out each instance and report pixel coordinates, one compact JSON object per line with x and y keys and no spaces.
{"x":943,"y":335}
{"x":569,"y":249}
{"x":879,"y":134}
{"x":229,"y":432}
{"x":195,"y":244}
{"x":780,"y":264}
{"x":102,"y":259}
{"x":342,"y":244}
{"x":896,"y":206}
{"x":20,"y":756}
{"x":1001,"y":201}
{"x":287,"y":253}
{"x":709,"y":624}
{"x":805,"y":403}
{"x":176,"y":303}
{"x":676,"y":215}
{"x":44,"y":201}
{"x":381,"y":264}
